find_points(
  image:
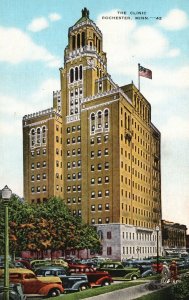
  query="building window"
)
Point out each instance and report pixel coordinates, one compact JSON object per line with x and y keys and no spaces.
{"x":99,"y":221}
{"x":32,"y":166}
{"x":38,"y":189}
{"x":99,"y":207}
{"x":78,"y":151}
{"x":38,"y":176}
{"x":44,"y":151}
{"x":107,"y":220}
{"x":92,"y":168}
{"x":79,"y":175}
{"x":92,"y":221}
{"x":107,"y":206}
{"x":44,"y":163}
{"x":68,"y":130}
{"x":92,"y":194}
{"x":106,"y":165}
{"x":38,"y":152}
{"x":68,"y":141}
{"x":92,"y":154}
{"x":44,"y":176}
{"x":99,"y":180}
{"x":44,"y":188}
{"x":109,"y":235}
{"x":79,"y":163}
{"x":92,"y":207}
{"x":99,"y":193}
{"x":99,"y":153}
{"x":99,"y":167}
{"x":92,"y":180}
{"x":98,"y":139}
{"x":105,"y":138}
{"x":92,"y":141}
{"x":106,"y":151}
{"x":38,"y":164}
{"x":107,"y":193}
{"x":106,"y":179}
{"x":32,"y":189}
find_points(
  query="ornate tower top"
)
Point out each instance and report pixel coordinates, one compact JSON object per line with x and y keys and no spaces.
{"x":85,"y":12}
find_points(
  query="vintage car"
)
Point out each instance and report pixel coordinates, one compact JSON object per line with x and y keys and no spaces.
{"x":71,"y":283}
{"x":33,"y":285}
{"x":95,"y":278}
{"x":116,"y":269}
{"x":47,"y":262}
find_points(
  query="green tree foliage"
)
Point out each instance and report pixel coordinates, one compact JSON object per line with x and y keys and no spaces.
{"x":47,"y":226}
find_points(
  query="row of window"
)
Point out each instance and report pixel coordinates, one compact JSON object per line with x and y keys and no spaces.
{"x":138,"y":236}
{"x":38,"y":165}
{"x":73,"y":128}
{"x":74,"y":152}
{"x":76,"y":73}
{"x":99,"y":121}
{"x":38,"y":152}
{"x":140,"y":164}
{"x":74,"y":200}
{"x":98,"y":139}
{"x":136,"y":174}
{"x":73,"y":140}
{"x":39,"y":176}
{"x":74,"y":176}
{"x":74,"y":164}
{"x":99,"y":194}
{"x":100,"y":207}
{"x":38,"y":189}
{"x":137,"y":222}
{"x":38,"y":136}
{"x":99,"y":153}
{"x":100,"y":166}
{"x":100,"y":180}
{"x":99,"y":221}
{"x":74,"y":188}
{"x":139,"y":250}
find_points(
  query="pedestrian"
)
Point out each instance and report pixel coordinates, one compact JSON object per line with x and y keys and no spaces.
{"x":173,"y":271}
{"x":165,"y":273}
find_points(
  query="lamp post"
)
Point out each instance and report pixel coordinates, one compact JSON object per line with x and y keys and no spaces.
{"x":157,"y":239}
{"x":6,"y":195}
{"x":138,"y":250}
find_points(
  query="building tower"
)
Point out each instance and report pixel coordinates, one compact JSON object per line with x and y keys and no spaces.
{"x":110,"y":149}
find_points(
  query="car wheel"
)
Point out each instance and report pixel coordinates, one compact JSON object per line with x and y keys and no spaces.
{"x":106,"y":283}
{"x":134,"y":277}
{"x":83,"y":287}
{"x":54,"y":293}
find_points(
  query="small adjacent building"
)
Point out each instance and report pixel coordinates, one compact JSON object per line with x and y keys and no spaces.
{"x":173,"y":238}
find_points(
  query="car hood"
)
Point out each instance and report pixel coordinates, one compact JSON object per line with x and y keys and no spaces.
{"x":50,"y":279}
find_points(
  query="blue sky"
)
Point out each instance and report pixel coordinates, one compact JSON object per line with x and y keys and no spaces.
{"x":33,"y":38}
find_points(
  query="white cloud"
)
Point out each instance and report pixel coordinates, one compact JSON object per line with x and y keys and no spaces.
{"x":176,"y":19}
{"x":54,"y":17}
{"x":176,"y":128}
{"x":16,"y":47}
{"x":128,"y":43}
{"x":38,"y":24}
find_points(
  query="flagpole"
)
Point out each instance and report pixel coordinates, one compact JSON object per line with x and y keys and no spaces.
{"x":138,"y":78}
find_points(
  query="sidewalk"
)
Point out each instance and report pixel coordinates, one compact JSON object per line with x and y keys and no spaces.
{"x":124,"y":294}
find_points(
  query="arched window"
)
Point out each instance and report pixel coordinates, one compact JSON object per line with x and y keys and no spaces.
{"x":73,"y":42}
{"x":83,"y":39}
{"x":44,"y":135}
{"x":38,"y":139}
{"x":78,"y":40}
{"x":106,"y":119}
{"x":76,"y":73}
{"x":92,"y":122}
{"x":32,"y":137}
{"x":125,"y":121}
{"x":99,"y":119}
{"x":97,"y":71}
{"x":71,"y":75}
{"x":80,"y":72}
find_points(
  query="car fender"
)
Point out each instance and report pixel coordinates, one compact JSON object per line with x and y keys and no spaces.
{"x":77,"y":284}
{"x":102,"y":279}
{"x":45,"y":289}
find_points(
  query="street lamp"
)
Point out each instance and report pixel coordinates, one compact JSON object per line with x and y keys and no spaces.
{"x":138,"y":250}
{"x":6,"y":195}
{"x":157,"y":231}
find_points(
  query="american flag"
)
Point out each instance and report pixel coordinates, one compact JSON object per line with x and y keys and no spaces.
{"x":145,"y":72}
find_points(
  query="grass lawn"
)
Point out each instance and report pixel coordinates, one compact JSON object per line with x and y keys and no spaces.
{"x":97,"y":291}
{"x":163,"y":294}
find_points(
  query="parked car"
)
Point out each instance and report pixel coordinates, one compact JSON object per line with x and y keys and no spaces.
{"x":116,"y":269}
{"x":47,"y":262}
{"x":33,"y":285}
{"x":71,"y":283}
{"x":95,"y":278}
{"x":15,"y":292}
{"x":149,"y":272}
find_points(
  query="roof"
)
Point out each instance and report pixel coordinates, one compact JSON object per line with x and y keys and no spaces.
{"x":84,"y":17}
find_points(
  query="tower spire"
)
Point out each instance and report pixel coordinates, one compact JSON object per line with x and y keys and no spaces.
{"x":85,"y":12}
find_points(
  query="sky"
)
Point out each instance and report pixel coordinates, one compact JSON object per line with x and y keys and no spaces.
{"x":33,"y":35}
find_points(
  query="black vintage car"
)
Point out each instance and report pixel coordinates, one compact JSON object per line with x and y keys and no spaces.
{"x":71,"y":283}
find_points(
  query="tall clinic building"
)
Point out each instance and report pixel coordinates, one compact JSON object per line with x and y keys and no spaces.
{"x":97,"y":149}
